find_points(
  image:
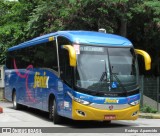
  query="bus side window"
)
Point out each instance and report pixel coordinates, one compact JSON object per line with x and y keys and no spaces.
{"x":44,"y":56}
{"x":9,"y":60}
{"x":65,"y":68}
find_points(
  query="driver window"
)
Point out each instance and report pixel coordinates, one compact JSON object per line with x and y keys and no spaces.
{"x":65,"y":68}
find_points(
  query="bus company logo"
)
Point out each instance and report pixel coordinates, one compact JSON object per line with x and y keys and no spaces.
{"x":6,"y":130}
{"x":107,"y":100}
{"x":40,"y":81}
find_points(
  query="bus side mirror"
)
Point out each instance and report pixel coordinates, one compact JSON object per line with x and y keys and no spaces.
{"x":147,"y":58}
{"x":72,"y":54}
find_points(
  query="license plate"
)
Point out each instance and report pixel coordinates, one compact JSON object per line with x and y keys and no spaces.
{"x":110,"y":117}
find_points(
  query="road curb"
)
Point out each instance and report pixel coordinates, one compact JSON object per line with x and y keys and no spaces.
{"x":149,"y":115}
{"x":1,"y":110}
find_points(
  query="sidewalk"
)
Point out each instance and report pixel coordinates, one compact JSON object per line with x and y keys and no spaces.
{"x":150,"y":115}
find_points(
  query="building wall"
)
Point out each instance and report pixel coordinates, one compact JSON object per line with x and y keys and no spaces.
{"x":1,"y":93}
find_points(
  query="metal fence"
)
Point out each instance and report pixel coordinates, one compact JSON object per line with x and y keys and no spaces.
{"x":150,"y":91}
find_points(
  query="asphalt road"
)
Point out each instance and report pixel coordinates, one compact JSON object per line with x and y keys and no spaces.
{"x":29,"y":118}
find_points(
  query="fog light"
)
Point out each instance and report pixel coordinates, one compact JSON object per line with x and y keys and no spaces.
{"x":81,"y":113}
{"x":135,"y":113}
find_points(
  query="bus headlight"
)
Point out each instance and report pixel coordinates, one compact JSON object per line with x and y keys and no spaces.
{"x":134,"y":103}
{"x":81,"y":101}
{"x":78,"y":99}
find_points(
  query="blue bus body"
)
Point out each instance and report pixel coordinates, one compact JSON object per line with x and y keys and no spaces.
{"x":35,"y":86}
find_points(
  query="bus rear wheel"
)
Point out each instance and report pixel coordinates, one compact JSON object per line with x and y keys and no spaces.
{"x":16,"y":106}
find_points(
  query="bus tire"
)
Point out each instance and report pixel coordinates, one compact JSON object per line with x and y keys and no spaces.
{"x":16,"y":106}
{"x":56,"y":118}
{"x":51,"y":109}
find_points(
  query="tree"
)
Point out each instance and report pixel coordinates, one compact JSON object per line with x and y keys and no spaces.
{"x":136,"y":19}
{"x":144,"y":30}
{"x":13,"y":21}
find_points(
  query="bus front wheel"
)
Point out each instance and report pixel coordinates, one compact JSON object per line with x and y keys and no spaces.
{"x":56,"y":118}
{"x":106,"y":122}
{"x":51,"y":109}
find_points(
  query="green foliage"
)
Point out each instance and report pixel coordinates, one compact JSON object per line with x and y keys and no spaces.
{"x":144,"y":31}
{"x":13,"y":21}
{"x":148,"y":109}
{"x":136,"y":19}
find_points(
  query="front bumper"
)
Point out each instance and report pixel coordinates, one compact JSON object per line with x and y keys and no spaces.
{"x":83,"y":112}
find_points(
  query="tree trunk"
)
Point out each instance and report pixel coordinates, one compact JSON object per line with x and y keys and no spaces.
{"x":123,"y":27}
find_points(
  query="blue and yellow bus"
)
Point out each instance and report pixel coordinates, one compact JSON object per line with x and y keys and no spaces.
{"x":81,"y":75}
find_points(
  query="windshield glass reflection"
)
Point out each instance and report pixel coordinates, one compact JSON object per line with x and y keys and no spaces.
{"x":106,"y":69}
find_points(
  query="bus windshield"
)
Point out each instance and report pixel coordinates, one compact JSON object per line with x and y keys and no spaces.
{"x":106,"y":69}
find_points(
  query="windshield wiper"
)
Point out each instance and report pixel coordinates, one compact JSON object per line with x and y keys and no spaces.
{"x":106,"y":73}
{"x":103,"y":75}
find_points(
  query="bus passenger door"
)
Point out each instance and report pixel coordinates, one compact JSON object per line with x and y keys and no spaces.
{"x":66,"y":76}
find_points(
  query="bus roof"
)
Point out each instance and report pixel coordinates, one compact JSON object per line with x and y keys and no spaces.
{"x":80,"y":37}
